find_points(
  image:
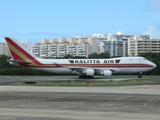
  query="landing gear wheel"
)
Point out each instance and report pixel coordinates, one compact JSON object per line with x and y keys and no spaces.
{"x":90,"y":77}
{"x":140,"y":75}
{"x":84,"y":76}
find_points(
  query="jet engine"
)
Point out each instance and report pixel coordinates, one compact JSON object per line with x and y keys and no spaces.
{"x":89,"y":72}
{"x":106,"y":73}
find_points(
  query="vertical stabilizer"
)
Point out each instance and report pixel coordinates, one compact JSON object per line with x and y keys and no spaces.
{"x":19,"y":52}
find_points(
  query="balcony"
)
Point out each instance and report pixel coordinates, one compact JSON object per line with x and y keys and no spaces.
{"x":35,"y":48}
{"x":52,"y":48}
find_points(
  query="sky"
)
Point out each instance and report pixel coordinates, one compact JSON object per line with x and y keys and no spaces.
{"x":35,"y":20}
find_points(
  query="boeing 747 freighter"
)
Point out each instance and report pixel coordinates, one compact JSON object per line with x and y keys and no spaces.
{"x":85,"y":68}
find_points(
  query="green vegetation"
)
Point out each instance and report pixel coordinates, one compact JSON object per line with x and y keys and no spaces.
{"x":68,"y":56}
{"x":154,"y":57}
{"x":101,"y":55}
{"x":106,"y":83}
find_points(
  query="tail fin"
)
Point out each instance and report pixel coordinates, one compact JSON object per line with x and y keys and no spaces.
{"x":19,"y":52}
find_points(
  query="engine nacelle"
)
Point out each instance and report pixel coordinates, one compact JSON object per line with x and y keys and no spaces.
{"x":89,"y":72}
{"x":106,"y":73}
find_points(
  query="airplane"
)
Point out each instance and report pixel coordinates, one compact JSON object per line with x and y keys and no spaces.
{"x":85,"y":68}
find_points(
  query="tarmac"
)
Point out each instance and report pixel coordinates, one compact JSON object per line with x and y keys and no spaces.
{"x":80,"y":103}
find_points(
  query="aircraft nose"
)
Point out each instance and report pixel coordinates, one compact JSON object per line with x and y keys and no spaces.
{"x":154,"y":65}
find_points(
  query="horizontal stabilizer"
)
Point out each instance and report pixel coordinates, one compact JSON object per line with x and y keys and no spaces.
{"x":19,"y":62}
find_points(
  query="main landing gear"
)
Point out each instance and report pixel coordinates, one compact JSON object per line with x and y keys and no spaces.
{"x":84,"y":76}
{"x":140,"y":75}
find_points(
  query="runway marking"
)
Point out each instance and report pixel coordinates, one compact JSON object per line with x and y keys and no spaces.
{"x":107,"y":106}
{"x":150,"y":103}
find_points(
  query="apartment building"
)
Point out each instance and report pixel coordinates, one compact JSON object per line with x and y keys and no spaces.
{"x":27,"y":44}
{"x":59,"y":48}
{"x":136,"y":47}
{"x":114,"y":47}
{"x":4,"y":49}
{"x":116,"y":44}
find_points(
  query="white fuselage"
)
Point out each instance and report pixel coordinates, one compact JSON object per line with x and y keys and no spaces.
{"x":116,"y":65}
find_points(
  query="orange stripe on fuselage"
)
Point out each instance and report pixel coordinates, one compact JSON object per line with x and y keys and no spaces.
{"x":90,"y":65}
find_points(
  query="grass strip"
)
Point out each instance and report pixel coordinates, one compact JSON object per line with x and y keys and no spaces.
{"x":105,"y":83}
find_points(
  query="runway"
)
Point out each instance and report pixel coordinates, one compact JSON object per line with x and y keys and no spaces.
{"x":80,"y":103}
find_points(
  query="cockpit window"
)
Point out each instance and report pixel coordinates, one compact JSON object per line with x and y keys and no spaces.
{"x":144,"y":58}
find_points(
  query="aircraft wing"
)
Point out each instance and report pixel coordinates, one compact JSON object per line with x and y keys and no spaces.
{"x":80,"y":70}
{"x":77,"y":69}
{"x":83,"y":68}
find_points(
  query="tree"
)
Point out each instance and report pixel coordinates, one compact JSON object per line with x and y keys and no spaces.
{"x":154,"y":57}
{"x":93,"y":55}
{"x":80,"y":57}
{"x":101,"y":55}
{"x":104,"y":55}
{"x":4,"y":63}
{"x":67,"y":56}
